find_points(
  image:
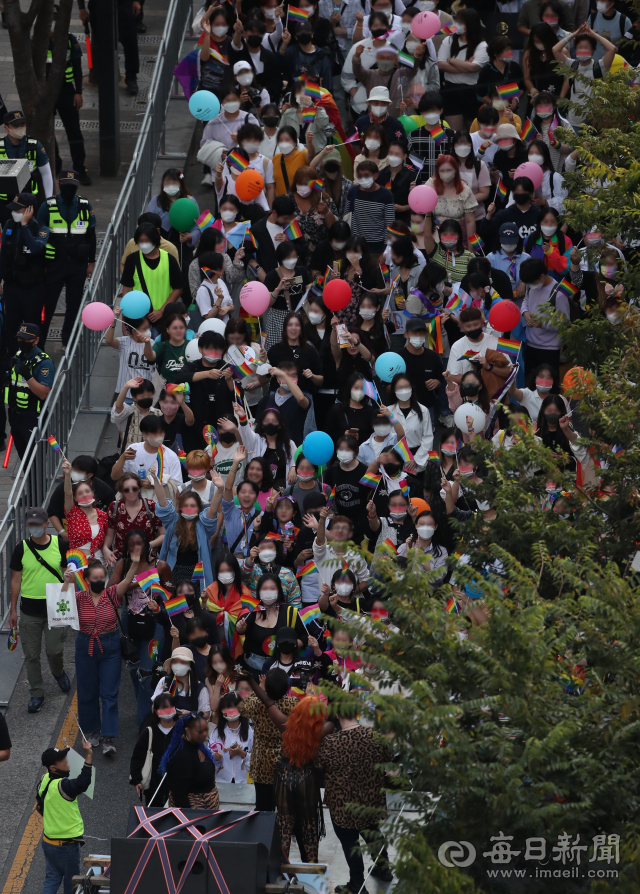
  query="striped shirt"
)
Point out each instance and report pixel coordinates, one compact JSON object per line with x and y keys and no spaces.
{"x":422,"y":144}
{"x":371,"y":214}
{"x":100,"y":618}
{"x":455,"y":265}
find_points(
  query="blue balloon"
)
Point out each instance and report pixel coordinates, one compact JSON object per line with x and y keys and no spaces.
{"x":135,"y":305}
{"x":318,"y":447}
{"x":387,"y":365}
{"x":204,"y":105}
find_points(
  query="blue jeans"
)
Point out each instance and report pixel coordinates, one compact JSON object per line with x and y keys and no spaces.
{"x":142,"y":684}
{"x":63,"y":862}
{"x":98,"y":681}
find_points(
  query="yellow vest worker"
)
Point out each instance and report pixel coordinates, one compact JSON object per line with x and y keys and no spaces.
{"x":152,"y":271}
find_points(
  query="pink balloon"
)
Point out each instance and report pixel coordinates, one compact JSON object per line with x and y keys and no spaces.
{"x":423,"y":199}
{"x":97,"y":316}
{"x":255,"y":297}
{"x":532,"y":171}
{"x":425,"y":25}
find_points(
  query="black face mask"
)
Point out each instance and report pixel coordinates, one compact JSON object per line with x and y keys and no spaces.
{"x":331,"y":167}
{"x":392,"y":468}
{"x":199,"y":641}
{"x":227,"y":438}
{"x":271,"y":120}
{"x":68,"y":193}
{"x":254,"y":40}
{"x":271,"y":428}
{"x":59,"y":774}
{"x":287,"y":648}
{"x":97,"y":586}
{"x":473,"y":334}
{"x":304,"y":38}
{"x":379,"y":32}
{"x":552,"y":417}
{"x":145,"y":402}
{"x":521,"y":198}
{"x":470,"y":390}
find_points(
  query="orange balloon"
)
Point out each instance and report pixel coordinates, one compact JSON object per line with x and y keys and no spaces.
{"x":577,"y":382}
{"x":421,"y":505}
{"x":249,"y":184}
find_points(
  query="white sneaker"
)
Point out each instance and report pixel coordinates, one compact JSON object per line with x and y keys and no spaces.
{"x":206,"y":180}
{"x":94,"y":739}
{"x":108,"y":746}
{"x":447,"y":421}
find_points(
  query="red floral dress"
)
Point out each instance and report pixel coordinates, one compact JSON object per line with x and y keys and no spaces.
{"x":123,"y":523}
{"x":79,"y":529}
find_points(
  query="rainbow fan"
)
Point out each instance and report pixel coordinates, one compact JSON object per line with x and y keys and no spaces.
{"x":76,"y":559}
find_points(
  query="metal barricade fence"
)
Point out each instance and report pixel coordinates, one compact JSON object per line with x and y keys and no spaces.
{"x":37,"y":474}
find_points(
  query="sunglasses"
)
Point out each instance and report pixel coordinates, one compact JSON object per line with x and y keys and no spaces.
{"x":130,"y":490}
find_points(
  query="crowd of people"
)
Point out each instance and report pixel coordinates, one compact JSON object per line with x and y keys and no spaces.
{"x":221,"y":551}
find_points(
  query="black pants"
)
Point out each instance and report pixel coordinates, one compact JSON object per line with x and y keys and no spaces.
{"x":70,"y":117}
{"x":350,"y":841}
{"x":73,"y":275}
{"x":22,"y":304}
{"x":265,"y":798}
{"x":22,"y":423}
{"x":534,"y":357}
{"x":128,"y":37}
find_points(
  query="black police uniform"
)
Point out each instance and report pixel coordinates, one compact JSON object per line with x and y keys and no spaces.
{"x":24,"y":406}
{"x":69,"y":115}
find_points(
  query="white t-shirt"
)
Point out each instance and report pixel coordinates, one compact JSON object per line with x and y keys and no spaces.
{"x":456,"y":366}
{"x":476,"y":182}
{"x":268,"y":145}
{"x":229,"y":188}
{"x":258,"y":164}
{"x":132,"y":362}
{"x":532,"y":402}
{"x":148,"y":460}
{"x":479,"y":58}
{"x":274,"y":230}
{"x":477,"y":140}
{"x":206,"y":296}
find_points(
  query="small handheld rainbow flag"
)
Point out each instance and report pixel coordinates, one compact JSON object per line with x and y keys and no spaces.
{"x":296,"y":14}
{"x":508,"y":91}
{"x":250,"y":603}
{"x":173,"y":686}
{"x":403,"y":449}
{"x":311,"y":612}
{"x":318,"y":185}
{"x":160,"y":464}
{"x":159,"y":590}
{"x":76,"y":559}
{"x":452,"y":607}
{"x":567,"y":288}
{"x":328,"y":273}
{"x":293,"y":231}
{"x":332,"y":498}
{"x":509,"y":346}
{"x":249,"y":237}
{"x":237,"y":392}
{"x":528,"y":131}
{"x":406,"y":59}
{"x":501,"y":189}
{"x":437,"y":134}
{"x":396,"y":280}
{"x":210,"y":434}
{"x":147,"y":578}
{"x":433,"y":457}
{"x":272,"y":535}
{"x":205,"y":220}
{"x":182,"y":456}
{"x":404,"y":487}
{"x":12,"y":639}
{"x":234,"y":158}
{"x":311,"y":89}
{"x":447,"y":29}
{"x":388,"y":545}
{"x":386,"y":274}
{"x":214,"y":54}
{"x":476,"y":242}
{"x":176,"y":605}
{"x":182,"y":388}
{"x":198,"y":572}
{"x":54,"y":443}
{"x":308,"y":114}
{"x":371,"y":480}
{"x":309,"y":568}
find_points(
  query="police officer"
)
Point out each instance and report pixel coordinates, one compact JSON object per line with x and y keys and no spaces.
{"x":16,"y":144}
{"x":69,"y":103}
{"x":28,"y":382}
{"x":22,"y":266}
{"x":61,"y":819}
{"x":71,"y":250}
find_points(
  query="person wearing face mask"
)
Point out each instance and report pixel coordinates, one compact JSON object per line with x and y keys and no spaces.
{"x":28,"y":381}
{"x":539,"y":65}
{"x":210,"y":396}
{"x":523,"y":215}
{"x":315,"y":212}
{"x":387,"y":431}
{"x":130,"y":512}
{"x":215,"y":39}
{"x":330,"y":250}
{"x":556,"y":432}
{"x":372,"y":207}
{"x":173,"y":187}
{"x":378,"y":25}
{"x":288,"y":159}
{"x":292,"y":117}
{"x":460,"y":57}
{"x":252,"y":95}
{"x":260,"y":627}
{"x":177,"y":417}
{"x":397,"y":526}
{"x":473,"y":171}
{"x":300,"y":53}
{"x":249,"y":139}
{"x":71,"y":250}
{"x":265,"y":557}
{"x":270,"y":124}
{"x":152,"y":271}
{"x":402,"y":82}
{"x":543,"y":339}
{"x":97,"y":650}
{"x":378,"y":106}
{"x":546,"y":118}
{"x":474,"y":339}
{"x":511,"y":153}
{"x":223,"y":600}
{"x":499,"y":70}
{"x":352,"y":414}
{"x":130,"y":347}
{"x":140,"y":457}
{"x":226,"y":174}
{"x":330,"y":555}
{"x":154,"y":739}
{"x":29,"y":579}
{"x":374,"y":327}
{"x":455,"y":199}
{"x":420,"y":142}
{"x":610,"y":23}
{"x":541,"y":385}
{"x":213,"y":298}
{"x":415,"y":419}
{"x":289,"y":399}
{"x":257,"y":46}
{"x":86,"y":524}
{"x":336,"y":185}
{"x":589,"y":62}
{"x":509,"y":259}
{"x":198,"y":464}
{"x":529,"y":16}
{"x":549,"y":244}
{"x":128,"y":415}
{"x":376,"y":149}
{"x":83,"y":468}
{"x":231,"y":741}
{"x":16,"y":144}
{"x":341,"y":593}
{"x":286,"y":657}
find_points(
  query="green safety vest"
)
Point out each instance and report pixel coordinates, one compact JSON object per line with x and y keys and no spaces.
{"x":30,"y":155}
{"x":59,"y":227}
{"x":68,"y":72}
{"x":17,"y":393}
{"x":61,"y":818}
{"x":154,"y":283}
{"x":35,"y":576}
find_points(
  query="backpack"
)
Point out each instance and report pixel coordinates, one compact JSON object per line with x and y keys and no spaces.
{"x":40,"y":797}
{"x":597,"y":73}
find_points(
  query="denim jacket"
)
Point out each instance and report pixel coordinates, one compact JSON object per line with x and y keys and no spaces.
{"x":205,"y":529}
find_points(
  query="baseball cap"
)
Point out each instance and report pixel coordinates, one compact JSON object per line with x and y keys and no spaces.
{"x":13,"y":118}
{"x":69,"y":177}
{"x":241,"y":66}
{"x":507,"y":132}
{"x":53,"y":755}
{"x":416,"y":325}
{"x":22,"y":201}
{"x":36,"y":514}
{"x":29,"y":331}
{"x":508,"y":233}
{"x":286,"y":635}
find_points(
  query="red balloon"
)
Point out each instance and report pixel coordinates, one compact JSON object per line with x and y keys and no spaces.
{"x":336,"y":294}
{"x":504,"y":315}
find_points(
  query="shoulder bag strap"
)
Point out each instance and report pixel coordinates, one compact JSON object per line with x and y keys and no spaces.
{"x":141,"y":274}
{"x":150,"y":517}
{"x":241,"y":534}
{"x":285,"y":176}
{"x":43,"y":562}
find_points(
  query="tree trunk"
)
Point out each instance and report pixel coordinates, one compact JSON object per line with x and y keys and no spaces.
{"x":39,"y":93}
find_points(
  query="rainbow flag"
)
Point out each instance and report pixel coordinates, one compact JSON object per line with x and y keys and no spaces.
{"x":403,"y":449}
{"x":76,"y":558}
{"x":309,"y":568}
{"x":509,"y":347}
{"x":249,"y":237}
{"x":447,"y":29}
{"x":437,"y":134}
{"x":396,"y":280}
{"x":271,"y":535}
{"x":160,"y":463}
{"x":249,"y":602}
{"x":311,"y":612}
{"x":309,"y":115}
{"x":234,"y":158}
{"x":452,"y":606}
{"x":394,"y":232}
{"x":332,"y":498}
{"x":198,"y":573}
{"x":406,"y":59}
{"x":237,"y":392}
{"x":81,"y":583}
{"x":214,"y":54}
{"x":435,"y":334}
{"x":528,"y":131}
{"x":371,"y":480}
{"x":328,"y":273}
{"x":370,"y":390}
{"x":567,"y":288}
{"x":182,"y":388}
{"x":210,"y":434}
{"x":242,"y":371}
{"x":173,"y":686}
{"x":388,"y":544}
{"x":469,"y":354}
{"x":296,"y":14}
{"x":433,"y":457}
{"x":501,"y":189}
{"x":176,"y":605}
{"x":318,"y":185}
{"x":182,"y":456}
{"x":386,"y":274}
{"x":159,"y":590}
{"x":54,"y":443}
{"x":476,"y":242}
{"x":147,"y":578}
{"x":617,"y":451}
{"x":293,"y":231}
{"x":310,"y":89}
{"x":205,"y":220}
{"x":508,"y":91}
{"x":12,"y":639}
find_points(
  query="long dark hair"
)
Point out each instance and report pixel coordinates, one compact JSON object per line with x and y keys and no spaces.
{"x":231,"y":700}
{"x":413,"y":400}
{"x":274,"y":578}
{"x":553,"y":400}
{"x":436,"y":541}
{"x":474,"y":33}
{"x":164,"y":201}
{"x":483,"y":394}
{"x":537,"y":234}
{"x":545,"y":35}
{"x":223,"y":650}
{"x":267,"y":477}
{"x":283,"y":440}
{"x":177,"y":740}
{"x":210,"y":237}
{"x":367,"y":263}
{"x":303,"y":335}
{"x":229,"y":559}
{"x":452,"y":226}
{"x":470,"y":161}
{"x":126,"y":558}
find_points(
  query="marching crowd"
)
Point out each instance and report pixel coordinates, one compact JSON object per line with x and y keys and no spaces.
{"x":262,"y":448}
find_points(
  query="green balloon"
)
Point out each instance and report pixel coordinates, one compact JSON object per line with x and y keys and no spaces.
{"x":408,"y":123}
{"x":183,"y":214}
{"x":320,"y":469}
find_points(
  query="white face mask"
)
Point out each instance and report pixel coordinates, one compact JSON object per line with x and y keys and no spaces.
{"x":463,"y":151}
{"x":226,"y":577}
{"x":613,"y":318}
{"x":197,"y":477}
{"x":357,"y":394}
{"x":18,"y":132}
{"x":172,"y":190}
{"x":17,"y":215}
{"x":285,"y":148}
{"x":417,"y":342}
{"x":534,"y":286}
{"x":427,"y":5}
{"x":367,"y":313}
{"x":539,"y":46}
{"x":303,"y":191}
{"x":338,"y":246}
{"x":372,"y":144}
{"x":220,"y":30}
{"x":549,"y":231}
{"x":379,"y":111}
{"x":315,"y":318}
{"x":344,"y":456}
{"x":77,"y":477}
{"x":366,"y":182}
{"x":431,"y":117}
{"x":411,"y":46}
{"x":250,"y":148}
{"x":509,"y":247}
{"x":146,"y":247}
{"x":228,"y":216}
{"x":395,"y":160}
{"x":483,"y":506}
{"x":406,"y":27}
{"x":447,"y":176}
{"x":290,"y":263}
{"x":268,"y":597}
{"x":180,"y":669}
{"x":440,"y":287}
{"x":499,"y":104}
{"x":352,"y":258}
{"x":344,"y":589}
{"x":382,"y":430}
{"x":460,"y":27}
{"x":602,"y":7}
{"x":231,"y":107}
{"x":245,"y":79}
{"x":537,"y":159}
{"x":267,"y":556}
{"x":426,"y":532}
{"x":404,"y":393}
{"x":155,"y":440}
{"x":219,"y":668}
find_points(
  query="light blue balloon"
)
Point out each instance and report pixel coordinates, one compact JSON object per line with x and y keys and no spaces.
{"x":204,"y":105}
{"x":388,"y":365}
{"x":135,"y":305}
{"x":318,"y":447}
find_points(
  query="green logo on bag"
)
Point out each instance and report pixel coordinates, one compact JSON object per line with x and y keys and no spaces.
{"x":63,"y":606}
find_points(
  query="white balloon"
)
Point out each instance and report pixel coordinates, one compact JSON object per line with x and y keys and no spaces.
{"x":212,"y":326}
{"x":192,"y":351}
{"x":477,"y":414}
